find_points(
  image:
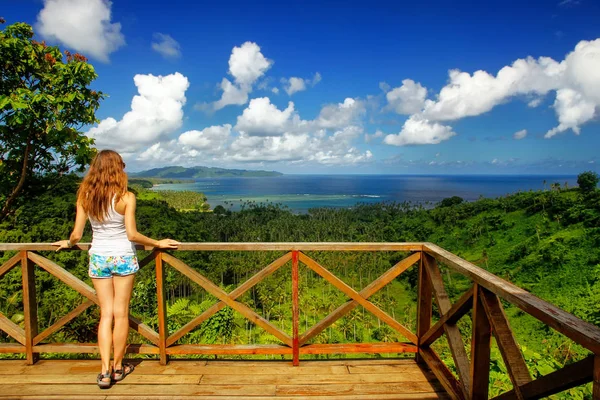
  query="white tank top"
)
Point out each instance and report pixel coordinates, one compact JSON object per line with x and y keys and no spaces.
{"x":109,"y":238}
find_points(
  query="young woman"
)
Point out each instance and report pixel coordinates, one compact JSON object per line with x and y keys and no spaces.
{"x":104,"y":200}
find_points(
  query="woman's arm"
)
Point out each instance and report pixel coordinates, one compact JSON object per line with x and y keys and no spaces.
{"x":132,"y":233}
{"x":80,"y":220}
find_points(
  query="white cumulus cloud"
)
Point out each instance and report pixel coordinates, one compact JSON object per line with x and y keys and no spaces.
{"x":84,"y":26}
{"x":295,"y":84}
{"x":155,"y":112}
{"x":420,"y":131}
{"x":166,"y":46}
{"x":576,"y":81}
{"x":211,"y":140}
{"x":339,"y":115}
{"x":246,"y":65}
{"x":408,"y":98}
{"x":261,"y":118}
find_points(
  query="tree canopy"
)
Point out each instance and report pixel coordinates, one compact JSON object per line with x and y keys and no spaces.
{"x":44,"y":103}
{"x":587,"y":181}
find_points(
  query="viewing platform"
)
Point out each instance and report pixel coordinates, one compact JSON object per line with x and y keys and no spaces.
{"x":413,"y":371}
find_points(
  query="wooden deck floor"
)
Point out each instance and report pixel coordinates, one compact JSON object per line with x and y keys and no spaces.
{"x":221,"y":380}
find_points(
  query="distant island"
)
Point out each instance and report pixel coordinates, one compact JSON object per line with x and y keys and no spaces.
{"x":177,"y":172}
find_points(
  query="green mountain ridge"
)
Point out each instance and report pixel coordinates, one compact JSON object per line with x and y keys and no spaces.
{"x":179,"y":172}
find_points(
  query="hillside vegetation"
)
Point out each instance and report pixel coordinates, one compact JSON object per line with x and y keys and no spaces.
{"x":547,"y":242}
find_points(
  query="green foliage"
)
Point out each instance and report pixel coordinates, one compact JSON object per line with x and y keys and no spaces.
{"x":44,"y":101}
{"x":587,"y":181}
{"x":451,"y":201}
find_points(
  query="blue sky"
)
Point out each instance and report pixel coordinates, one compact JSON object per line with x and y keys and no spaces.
{"x":339,"y":87}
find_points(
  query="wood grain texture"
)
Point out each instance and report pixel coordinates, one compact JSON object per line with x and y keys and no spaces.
{"x":367,"y":292}
{"x":480,"y":349}
{"x":222,"y":380}
{"x":354,"y":295}
{"x":9,"y":264}
{"x":443,"y":374}
{"x":219,"y":293}
{"x":62,"y":321}
{"x":237,"y":292}
{"x":581,"y":332}
{"x":244,"y":246}
{"x":29,"y":306}
{"x":163,"y":327}
{"x":568,"y":377}
{"x":462,"y":306}
{"x":455,"y":340}
{"x":509,"y":348}
{"x":12,"y":329}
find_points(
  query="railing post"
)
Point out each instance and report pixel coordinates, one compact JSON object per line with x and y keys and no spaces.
{"x":30,"y":306}
{"x":163,"y":329}
{"x":295,"y":310}
{"x":596,"y":378}
{"x":480,"y":347}
{"x":424,"y":304}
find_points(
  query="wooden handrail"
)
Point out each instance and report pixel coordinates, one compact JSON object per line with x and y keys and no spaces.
{"x":483,"y":298}
{"x":243,"y":246}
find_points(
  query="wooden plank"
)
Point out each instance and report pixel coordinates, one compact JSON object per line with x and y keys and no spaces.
{"x":480,"y":349}
{"x":143,"y":329}
{"x":574,"y":328}
{"x":511,"y":353}
{"x":345,"y":348}
{"x":222,"y":295}
{"x":363,"y":362}
{"x":237,"y":292}
{"x":392,"y":369}
{"x":367,"y":292}
{"x":231,"y":349}
{"x":63,"y":321}
{"x":353,"y":294}
{"x":143,"y":391}
{"x":456,"y":312}
{"x":443,"y":374}
{"x":455,"y":340}
{"x":12,"y":329}
{"x":7,"y":348}
{"x":424,"y":306}
{"x":416,"y":376}
{"x":163,"y":328}
{"x":71,"y":280}
{"x":9,"y":264}
{"x":403,"y":396}
{"x":245,"y":246}
{"x":355,"y":389}
{"x":91,"y":348}
{"x":295,"y":310}
{"x":596,"y":379}
{"x":29,"y":307}
{"x":147,"y":260}
{"x":565,"y":378}
{"x":90,"y":378}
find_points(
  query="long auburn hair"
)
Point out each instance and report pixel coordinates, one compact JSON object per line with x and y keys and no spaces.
{"x":105,"y":180}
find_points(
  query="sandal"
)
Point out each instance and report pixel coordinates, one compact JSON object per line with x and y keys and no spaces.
{"x":102,"y":384}
{"x":120,"y":374}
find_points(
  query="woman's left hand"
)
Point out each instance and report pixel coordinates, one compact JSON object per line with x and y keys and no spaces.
{"x":62,"y":244}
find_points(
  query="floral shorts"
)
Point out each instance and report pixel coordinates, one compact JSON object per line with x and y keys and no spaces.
{"x":107,"y":266}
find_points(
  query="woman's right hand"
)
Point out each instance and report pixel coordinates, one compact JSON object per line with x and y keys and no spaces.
{"x":168,"y":244}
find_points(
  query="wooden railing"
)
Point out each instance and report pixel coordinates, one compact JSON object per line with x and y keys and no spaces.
{"x":482,"y":300}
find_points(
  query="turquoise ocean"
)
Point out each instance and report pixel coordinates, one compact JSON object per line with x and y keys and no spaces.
{"x":302,"y":192}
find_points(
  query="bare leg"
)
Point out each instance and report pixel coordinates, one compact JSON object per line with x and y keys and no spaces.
{"x":123,"y":286}
{"x":105,"y":293}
